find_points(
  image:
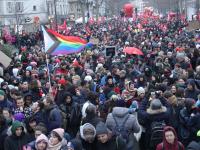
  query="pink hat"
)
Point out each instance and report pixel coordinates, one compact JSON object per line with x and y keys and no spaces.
{"x":60,"y":132}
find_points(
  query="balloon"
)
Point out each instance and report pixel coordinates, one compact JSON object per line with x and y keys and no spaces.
{"x":128,"y":10}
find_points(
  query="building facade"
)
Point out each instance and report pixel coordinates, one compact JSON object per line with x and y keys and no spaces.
{"x":31,"y":12}
{"x":59,"y":8}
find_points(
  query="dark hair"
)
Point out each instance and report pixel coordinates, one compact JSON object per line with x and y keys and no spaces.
{"x":49,"y":99}
{"x":57,"y":135}
{"x":41,"y":127}
{"x":2,"y":120}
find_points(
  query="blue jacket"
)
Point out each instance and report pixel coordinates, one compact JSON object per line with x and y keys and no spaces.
{"x":6,"y":104}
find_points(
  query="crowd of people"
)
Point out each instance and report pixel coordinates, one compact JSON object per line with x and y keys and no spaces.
{"x":95,"y":101}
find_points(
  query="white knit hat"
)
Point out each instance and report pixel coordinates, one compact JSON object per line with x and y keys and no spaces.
{"x":140,"y":91}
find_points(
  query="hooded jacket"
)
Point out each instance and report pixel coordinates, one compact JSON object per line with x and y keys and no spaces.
{"x":193,"y":146}
{"x":83,"y":137}
{"x":168,"y":146}
{"x":14,"y":142}
{"x":120,"y":113}
{"x":40,"y":138}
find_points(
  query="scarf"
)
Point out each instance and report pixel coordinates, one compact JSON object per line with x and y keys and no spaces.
{"x":54,"y":147}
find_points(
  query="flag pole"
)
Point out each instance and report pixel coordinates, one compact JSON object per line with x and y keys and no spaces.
{"x":47,"y":64}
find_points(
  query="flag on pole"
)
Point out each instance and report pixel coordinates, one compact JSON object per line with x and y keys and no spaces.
{"x":56,"y":43}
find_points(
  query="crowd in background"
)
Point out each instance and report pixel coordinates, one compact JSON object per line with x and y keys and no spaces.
{"x":94,"y":101}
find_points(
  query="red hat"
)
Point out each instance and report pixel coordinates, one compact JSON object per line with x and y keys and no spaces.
{"x":62,"y":81}
{"x":76,"y":64}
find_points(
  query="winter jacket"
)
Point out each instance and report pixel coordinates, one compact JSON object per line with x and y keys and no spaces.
{"x":72,"y":113}
{"x":3,"y":135}
{"x":120,"y":114}
{"x":193,"y":146}
{"x":53,"y":118}
{"x":14,"y":142}
{"x":6,"y":104}
{"x":112,"y":144}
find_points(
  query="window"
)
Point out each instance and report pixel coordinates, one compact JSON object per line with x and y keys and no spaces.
{"x":34,"y":8}
{"x":19,"y":6}
{"x":10,"y":7}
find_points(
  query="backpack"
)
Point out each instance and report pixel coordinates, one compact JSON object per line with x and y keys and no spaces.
{"x":179,"y":146}
{"x":120,"y":130}
{"x":157,"y":129}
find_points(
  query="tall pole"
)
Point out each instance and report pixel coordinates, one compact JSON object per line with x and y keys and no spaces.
{"x":55,"y":9}
{"x":88,"y":11}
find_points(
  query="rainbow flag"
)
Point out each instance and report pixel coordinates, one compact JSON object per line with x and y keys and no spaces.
{"x":56,"y":43}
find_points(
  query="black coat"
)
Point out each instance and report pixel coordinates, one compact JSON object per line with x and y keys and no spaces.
{"x":112,"y":144}
{"x":16,"y":143}
{"x":3,"y":135}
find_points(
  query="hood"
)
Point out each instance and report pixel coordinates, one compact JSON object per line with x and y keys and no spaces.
{"x":85,"y":127}
{"x":120,"y":111}
{"x":193,"y":146}
{"x":40,"y":138}
{"x":15,"y":125}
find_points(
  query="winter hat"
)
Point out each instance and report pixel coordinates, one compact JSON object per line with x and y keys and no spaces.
{"x":198,"y":133}
{"x":29,"y":68}
{"x":2,"y":93}
{"x":33,"y":63}
{"x":15,"y":71}
{"x":76,"y":77}
{"x":140,"y":91}
{"x":1,"y":80}
{"x":101,"y":128}
{"x":88,"y":78}
{"x":62,"y":81}
{"x":156,"y":104}
{"x":15,"y":125}
{"x":19,"y":117}
{"x":60,"y":132}
{"x":40,"y":138}
{"x":11,"y":87}
{"x":87,"y":127}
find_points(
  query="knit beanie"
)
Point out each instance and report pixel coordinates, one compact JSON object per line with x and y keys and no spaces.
{"x":140,"y":91}
{"x":40,"y":138}
{"x":19,"y":117}
{"x":88,"y":78}
{"x":15,"y":125}
{"x":60,"y":132}
{"x":2,"y":93}
{"x":101,"y":128}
